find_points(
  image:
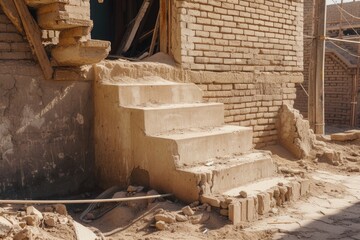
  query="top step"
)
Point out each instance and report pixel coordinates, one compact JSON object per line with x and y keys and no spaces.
{"x":158,"y":93}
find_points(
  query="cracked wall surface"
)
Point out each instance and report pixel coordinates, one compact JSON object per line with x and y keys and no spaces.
{"x":45,"y":126}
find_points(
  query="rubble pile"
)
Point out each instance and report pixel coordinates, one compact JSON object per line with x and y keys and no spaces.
{"x":194,"y":213}
{"x":49,"y":222}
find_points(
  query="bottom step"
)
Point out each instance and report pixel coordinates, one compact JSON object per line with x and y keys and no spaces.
{"x":228,"y":173}
{"x":221,"y":174}
{"x":263,"y":197}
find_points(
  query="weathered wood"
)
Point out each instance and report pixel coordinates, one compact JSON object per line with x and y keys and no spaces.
{"x":9,"y":8}
{"x":155,"y":35}
{"x":316,"y":80}
{"x":164,"y":25}
{"x":33,"y":34}
{"x":133,"y":28}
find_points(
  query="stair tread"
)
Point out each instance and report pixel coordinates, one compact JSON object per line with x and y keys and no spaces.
{"x":155,"y":106}
{"x":201,"y":132}
{"x":226,"y":162}
{"x":148,"y":82}
{"x":259,"y":186}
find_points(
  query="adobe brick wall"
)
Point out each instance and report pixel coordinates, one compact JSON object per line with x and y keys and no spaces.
{"x":45,"y":126}
{"x":338,"y":91}
{"x":250,"y":54}
{"x":12,"y":44}
{"x":338,"y":74}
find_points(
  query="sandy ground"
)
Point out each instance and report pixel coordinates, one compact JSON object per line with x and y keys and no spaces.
{"x":331,"y":211}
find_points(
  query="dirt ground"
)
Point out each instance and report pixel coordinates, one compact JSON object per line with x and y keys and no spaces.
{"x":331,"y":211}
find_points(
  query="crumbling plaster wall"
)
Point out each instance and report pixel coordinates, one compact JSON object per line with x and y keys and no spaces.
{"x":45,"y":126}
{"x":245,"y":54}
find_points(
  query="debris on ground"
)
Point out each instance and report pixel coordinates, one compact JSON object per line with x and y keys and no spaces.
{"x":295,"y":134}
{"x":166,"y":218}
{"x":50,"y":222}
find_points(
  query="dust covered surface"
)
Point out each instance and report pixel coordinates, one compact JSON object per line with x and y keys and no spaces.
{"x":330,"y":211}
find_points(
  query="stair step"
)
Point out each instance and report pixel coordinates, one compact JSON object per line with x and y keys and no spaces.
{"x":196,"y":145}
{"x":83,"y":53}
{"x":154,"y":119}
{"x":60,"y":15}
{"x":161,"y":92}
{"x":228,"y":173}
{"x":254,"y":188}
{"x":39,"y":3}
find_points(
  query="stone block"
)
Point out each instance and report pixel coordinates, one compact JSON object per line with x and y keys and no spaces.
{"x":33,"y":211}
{"x":304,"y":187}
{"x":296,"y":187}
{"x":289,"y":193}
{"x":343,"y":137}
{"x":251,"y":211}
{"x":263,"y":203}
{"x":212,"y":201}
{"x":83,"y":53}
{"x":243,"y":211}
{"x":235,"y":212}
{"x":5,"y":227}
{"x":74,"y":35}
{"x":283,"y":192}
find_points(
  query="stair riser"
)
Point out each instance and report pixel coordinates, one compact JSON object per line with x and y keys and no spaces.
{"x":197,"y":150}
{"x":212,"y":182}
{"x":157,"y":121}
{"x":226,"y":179}
{"x":168,"y":94}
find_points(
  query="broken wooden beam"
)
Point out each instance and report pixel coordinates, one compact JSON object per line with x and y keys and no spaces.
{"x":33,"y":34}
{"x":132,"y":30}
{"x":155,"y":35}
{"x":10,"y":10}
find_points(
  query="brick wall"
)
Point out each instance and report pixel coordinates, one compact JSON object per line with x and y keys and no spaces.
{"x":301,"y":102}
{"x":234,"y":35}
{"x":339,"y":71}
{"x":248,"y":55}
{"x":338,"y":91}
{"x":12,"y":44}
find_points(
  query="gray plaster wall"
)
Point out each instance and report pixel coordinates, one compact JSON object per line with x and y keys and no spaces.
{"x":46,"y":145}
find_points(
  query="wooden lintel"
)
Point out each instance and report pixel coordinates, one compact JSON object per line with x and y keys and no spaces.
{"x":9,"y":8}
{"x":33,"y":35}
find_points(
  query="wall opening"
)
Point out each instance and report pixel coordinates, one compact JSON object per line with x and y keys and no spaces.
{"x":129,"y":25}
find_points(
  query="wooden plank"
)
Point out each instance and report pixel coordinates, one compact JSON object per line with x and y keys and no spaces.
{"x":9,"y":8}
{"x":164,"y":26}
{"x":316,"y":81}
{"x":320,"y":66}
{"x":133,"y":29}
{"x":33,"y":34}
{"x":155,"y":35}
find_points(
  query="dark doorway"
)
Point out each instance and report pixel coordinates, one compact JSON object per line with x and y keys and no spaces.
{"x":114,"y":21}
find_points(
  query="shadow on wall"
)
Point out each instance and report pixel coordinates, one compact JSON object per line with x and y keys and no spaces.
{"x":46,"y":143}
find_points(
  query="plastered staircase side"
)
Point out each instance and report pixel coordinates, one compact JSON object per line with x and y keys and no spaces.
{"x":180,"y":142}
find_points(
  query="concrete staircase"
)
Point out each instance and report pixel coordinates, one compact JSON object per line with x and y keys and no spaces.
{"x":182,"y":142}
